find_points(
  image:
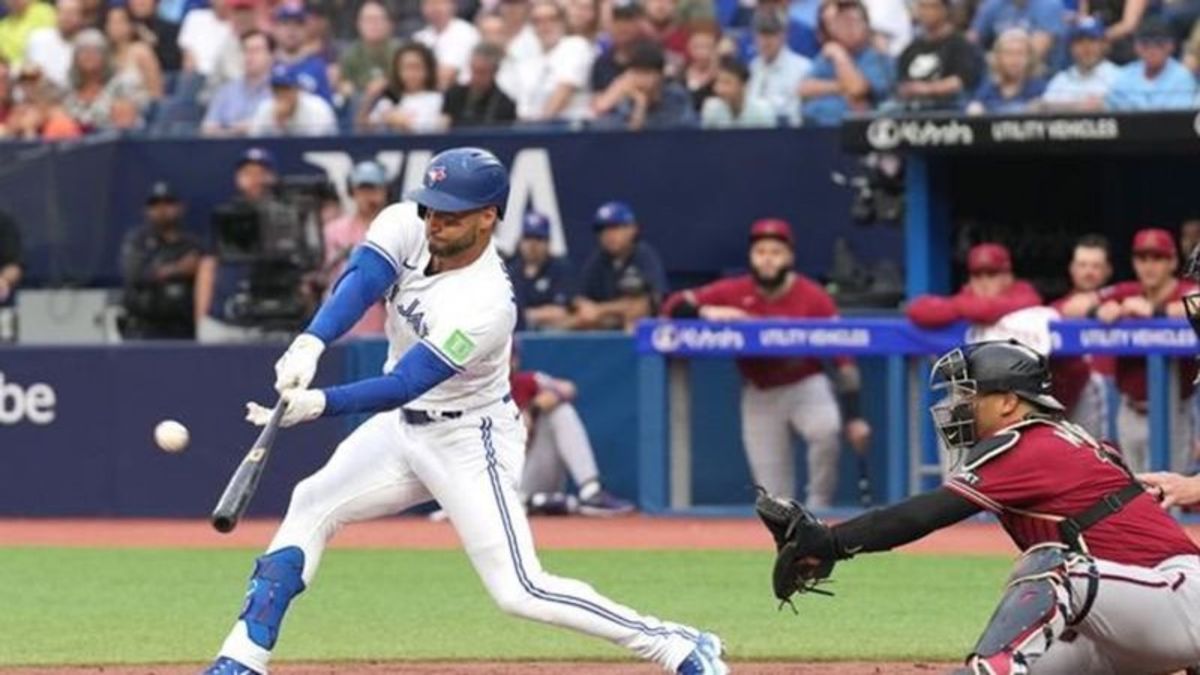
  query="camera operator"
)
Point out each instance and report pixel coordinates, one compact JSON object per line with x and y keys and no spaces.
{"x":253,"y":283}
{"x":158,"y":265}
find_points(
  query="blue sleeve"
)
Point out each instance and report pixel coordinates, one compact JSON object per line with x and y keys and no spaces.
{"x":822,"y":69}
{"x":1181,"y":90}
{"x":418,"y":371}
{"x":367,"y":277}
{"x":877,"y":68}
{"x":982,"y":25}
{"x":1047,"y":15}
{"x":591,"y":281}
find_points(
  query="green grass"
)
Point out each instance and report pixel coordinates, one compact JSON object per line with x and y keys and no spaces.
{"x":146,"y":605}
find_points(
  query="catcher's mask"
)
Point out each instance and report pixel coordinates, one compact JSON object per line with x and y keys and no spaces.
{"x":1191,"y":301}
{"x":963,"y":374}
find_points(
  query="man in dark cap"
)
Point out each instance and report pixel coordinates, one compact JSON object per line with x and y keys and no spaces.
{"x":1156,"y":80}
{"x":158,"y":267}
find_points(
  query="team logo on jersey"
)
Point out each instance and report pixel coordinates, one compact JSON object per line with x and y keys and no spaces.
{"x":415,"y":318}
{"x":436,"y":174}
{"x":458,"y":347}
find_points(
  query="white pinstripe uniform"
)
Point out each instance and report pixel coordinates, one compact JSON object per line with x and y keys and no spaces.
{"x":466,"y":452}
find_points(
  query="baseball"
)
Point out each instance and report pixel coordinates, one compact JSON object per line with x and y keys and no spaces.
{"x":171,"y":436}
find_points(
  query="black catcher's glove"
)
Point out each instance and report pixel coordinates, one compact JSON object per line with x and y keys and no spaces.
{"x":806,"y":547}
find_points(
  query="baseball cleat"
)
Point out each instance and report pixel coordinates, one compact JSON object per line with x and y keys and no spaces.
{"x":605,"y":504}
{"x":705,"y":659}
{"x":227,"y":666}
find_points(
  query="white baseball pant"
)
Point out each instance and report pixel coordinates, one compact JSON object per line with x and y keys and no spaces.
{"x":471,"y":466}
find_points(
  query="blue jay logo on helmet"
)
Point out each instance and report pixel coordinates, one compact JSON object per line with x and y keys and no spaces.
{"x":436,"y":174}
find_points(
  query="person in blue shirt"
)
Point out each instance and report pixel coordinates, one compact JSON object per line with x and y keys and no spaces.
{"x":233,"y":106}
{"x":311,"y":70}
{"x":1011,"y":87}
{"x":624,"y":280}
{"x":1044,"y":20}
{"x":1156,"y":81}
{"x":541,"y":282}
{"x":849,"y":75}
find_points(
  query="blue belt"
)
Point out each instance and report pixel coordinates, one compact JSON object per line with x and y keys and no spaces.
{"x":422,"y":417}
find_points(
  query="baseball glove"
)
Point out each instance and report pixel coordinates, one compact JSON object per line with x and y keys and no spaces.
{"x":806,"y":550}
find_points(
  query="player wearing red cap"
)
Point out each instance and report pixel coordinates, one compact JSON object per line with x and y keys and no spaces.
{"x":790,"y":395}
{"x":1157,"y":292}
{"x":991,"y":292}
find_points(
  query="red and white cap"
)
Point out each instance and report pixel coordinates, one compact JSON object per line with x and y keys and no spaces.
{"x":1154,"y":240}
{"x":989,"y":257}
{"x":771,"y":228}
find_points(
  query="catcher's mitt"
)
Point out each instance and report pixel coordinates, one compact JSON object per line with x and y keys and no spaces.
{"x":806,"y":547}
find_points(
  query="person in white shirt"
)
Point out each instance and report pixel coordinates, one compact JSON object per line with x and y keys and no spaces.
{"x":202,"y":35}
{"x":450,"y":38}
{"x":1085,"y":84}
{"x":411,"y":103}
{"x":732,"y":105}
{"x":776,"y":72}
{"x":522,"y":42}
{"x":50,"y":48}
{"x":291,"y":111}
{"x":552,"y":85}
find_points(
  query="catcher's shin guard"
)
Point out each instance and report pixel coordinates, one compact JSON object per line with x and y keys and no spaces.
{"x":1034,"y":611}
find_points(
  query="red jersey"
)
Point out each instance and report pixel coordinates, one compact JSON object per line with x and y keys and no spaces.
{"x":1131,"y":370}
{"x":1038,"y":473}
{"x":803,"y":300}
{"x":935,"y":311}
{"x":1069,"y":374}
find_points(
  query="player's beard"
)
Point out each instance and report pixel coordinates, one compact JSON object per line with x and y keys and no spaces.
{"x":773,"y":282}
{"x":453,"y":248}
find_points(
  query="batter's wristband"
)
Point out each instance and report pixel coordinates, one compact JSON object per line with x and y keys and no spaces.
{"x":849,"y":403}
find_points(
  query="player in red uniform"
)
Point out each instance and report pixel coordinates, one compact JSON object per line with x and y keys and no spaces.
{"x":1079,"y":381}
{"x":558,"y":446}
{"x":991,"y":292}
{"x":782,"y":396}
{"x":1107,"y":582}
{"x":1157,"y":292}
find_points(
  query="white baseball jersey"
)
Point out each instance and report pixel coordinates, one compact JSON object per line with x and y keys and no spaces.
{"x":466,"y":316}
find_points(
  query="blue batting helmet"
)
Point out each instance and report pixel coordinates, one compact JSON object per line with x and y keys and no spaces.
{"x":463,"y":179}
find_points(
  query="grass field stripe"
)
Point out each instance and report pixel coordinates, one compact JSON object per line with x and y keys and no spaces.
{"x":515,"y":553}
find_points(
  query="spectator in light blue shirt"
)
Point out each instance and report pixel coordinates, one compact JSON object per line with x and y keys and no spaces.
{"x":1156,"y":81}
{"x":1085,"y":85}
{"x":850,"y":75}
{"x":776,"y":72}
{"x":1044,"y":20}
{"x":1011,"y":86}
{"x":234,"y":103}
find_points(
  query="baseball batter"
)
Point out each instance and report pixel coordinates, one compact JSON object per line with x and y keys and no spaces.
{"x":782,"y":396}
{"x":444,"y":428}
{"x":1107,"y":581}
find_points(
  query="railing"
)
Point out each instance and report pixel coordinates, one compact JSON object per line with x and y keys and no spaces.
{"x":911,"y":454}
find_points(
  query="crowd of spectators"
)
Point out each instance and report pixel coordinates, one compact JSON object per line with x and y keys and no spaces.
{"x":317,"y":67}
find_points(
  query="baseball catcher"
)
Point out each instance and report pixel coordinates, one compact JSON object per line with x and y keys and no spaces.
{"x":1107,"y":582}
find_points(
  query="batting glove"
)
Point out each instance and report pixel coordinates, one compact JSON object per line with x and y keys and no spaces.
{"x":298,"y":365}
{"x":303,"y":405}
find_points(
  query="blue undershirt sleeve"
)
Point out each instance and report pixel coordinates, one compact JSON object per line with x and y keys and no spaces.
{"x":367,"y":277}
{"x":419,"y":370}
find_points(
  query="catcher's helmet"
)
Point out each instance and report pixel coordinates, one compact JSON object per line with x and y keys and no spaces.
{"x":463,"y":179}
{"x":986,"y":368}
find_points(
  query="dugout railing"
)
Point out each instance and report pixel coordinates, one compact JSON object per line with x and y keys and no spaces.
{"x":906,"y":439}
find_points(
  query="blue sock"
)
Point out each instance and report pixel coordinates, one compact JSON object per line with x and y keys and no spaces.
{"x":276,"y":580}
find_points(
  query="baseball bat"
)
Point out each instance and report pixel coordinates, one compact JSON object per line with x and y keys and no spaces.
{"x":242,"y":485}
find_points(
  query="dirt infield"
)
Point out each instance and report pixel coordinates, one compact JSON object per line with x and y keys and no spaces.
{"x":638,"y":532}
{"x":557,"y":668}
